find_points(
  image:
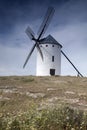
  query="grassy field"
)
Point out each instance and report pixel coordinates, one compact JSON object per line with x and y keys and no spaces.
{"x":43,"y":103}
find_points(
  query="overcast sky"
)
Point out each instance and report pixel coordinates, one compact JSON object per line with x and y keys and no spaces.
{"x":68,"y":26}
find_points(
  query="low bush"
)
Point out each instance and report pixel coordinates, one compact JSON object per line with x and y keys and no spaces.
{"x":63,"y":118}
{"x":28,"y":80}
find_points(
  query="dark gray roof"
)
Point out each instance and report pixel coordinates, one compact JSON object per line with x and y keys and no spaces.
{"x":49,"y":40}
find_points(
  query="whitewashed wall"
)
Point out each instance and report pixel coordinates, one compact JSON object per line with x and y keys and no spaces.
{"x":43,"y":67}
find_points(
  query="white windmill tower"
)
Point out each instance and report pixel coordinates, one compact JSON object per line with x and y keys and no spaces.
{"x":48,"y":50}
{"x":51,"y":63}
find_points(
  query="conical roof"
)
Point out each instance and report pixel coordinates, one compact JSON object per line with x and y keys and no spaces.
{"x":49,"y":40}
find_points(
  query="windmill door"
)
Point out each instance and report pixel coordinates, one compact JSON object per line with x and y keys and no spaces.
{"x":52,"y":71}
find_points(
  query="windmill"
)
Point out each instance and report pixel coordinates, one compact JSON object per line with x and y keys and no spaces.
{"x":48,"y":49}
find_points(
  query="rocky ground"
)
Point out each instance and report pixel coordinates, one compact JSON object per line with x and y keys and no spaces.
{"x":18,"y":93}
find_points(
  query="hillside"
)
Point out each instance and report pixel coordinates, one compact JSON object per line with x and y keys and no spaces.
{"x":18,"y":93}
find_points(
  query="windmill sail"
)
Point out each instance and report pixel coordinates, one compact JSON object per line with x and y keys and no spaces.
{"x":45,"y":22}
{"x":29,"y":55}
{"x":30,"y":33}
{"x":41,"y":31}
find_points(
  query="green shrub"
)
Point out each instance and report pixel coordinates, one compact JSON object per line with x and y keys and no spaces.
{"x":15,"y":125}
{"x":28,"y":80}
{"x":63,"y":118}
{"x":3,"y":124}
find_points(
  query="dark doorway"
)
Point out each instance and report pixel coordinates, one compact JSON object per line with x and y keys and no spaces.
{"x":52,"y":71}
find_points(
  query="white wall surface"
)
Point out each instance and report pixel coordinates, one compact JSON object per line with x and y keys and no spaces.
{"x":43,"y":66}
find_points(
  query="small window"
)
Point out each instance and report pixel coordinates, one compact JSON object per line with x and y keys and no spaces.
{"x":46,"y":45}
{"x":52,"y":45}
{"x":52,"y":58}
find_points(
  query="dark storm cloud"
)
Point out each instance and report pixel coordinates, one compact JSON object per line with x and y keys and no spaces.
{"x":13,"y":12}
{"x":73,"y":11}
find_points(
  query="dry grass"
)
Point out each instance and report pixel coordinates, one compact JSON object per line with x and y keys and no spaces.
{"x":19,"y":93}
{"x":40,"y":103}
